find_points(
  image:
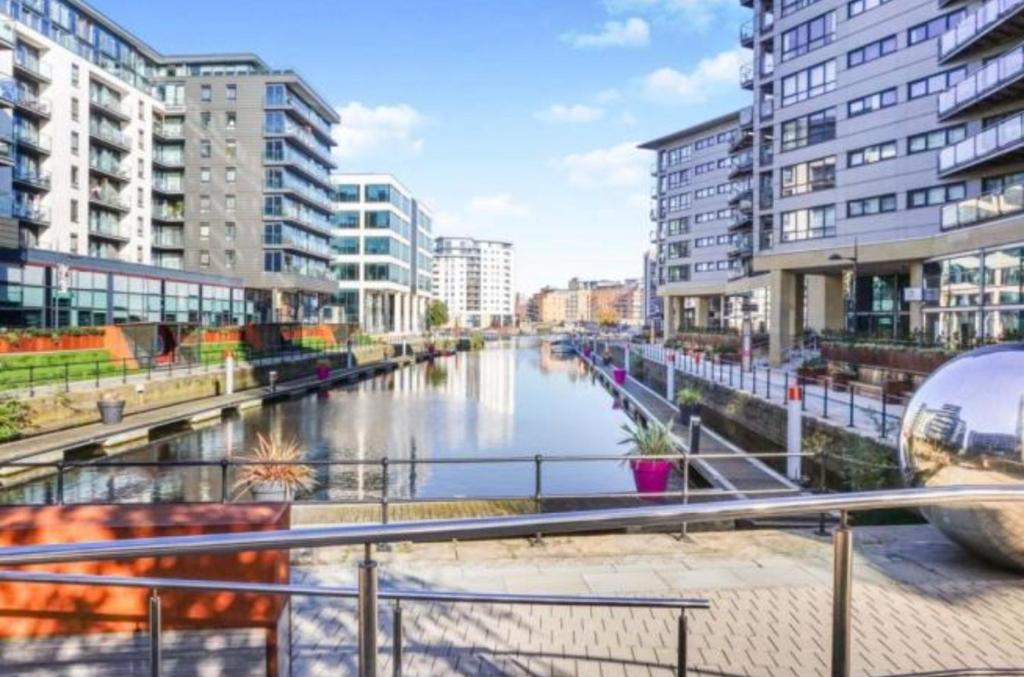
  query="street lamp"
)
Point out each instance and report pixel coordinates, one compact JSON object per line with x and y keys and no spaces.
{"x":855,"y":260}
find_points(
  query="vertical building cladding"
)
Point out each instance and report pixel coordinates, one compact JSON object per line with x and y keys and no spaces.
{"x":382,"y":255}
{"x":206,"y":164}
{"x":474,"y":278}
{"x":883,"y":146}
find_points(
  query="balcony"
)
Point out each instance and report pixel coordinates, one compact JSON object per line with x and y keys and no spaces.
{"x":313,"y":171}
{"x":976,"y":210}
{"x":766,"y":154}
{"x":27,"y":102}
{"x":767,"y":109}
{"x":107,"y":198}
{"x":30,"y":213}
{"x":741,"y":247}
{"x":290,"y":212}
{"x":110,"y":136}
{"x":296,"y":188}
{"x":168,"y":186}
{"x":7,"y":37}
{"x":746,"y":117}
{"x":31,"y":67}
{"x":27,"y":138}
{"x":741,"y":164}
{"x":742,"y":220}
{"x":108,"y":105}
{"x":169,"y":160}
{"x":1000,"y":80}
{"x":108,"y":229}
{"x":747,"y":34}
{"x":301,"y":109}
{"x":1002,"y":143}
{"x":747,"y":76}
{"x":31,"y":178}
{"x":304,"y":245}
{"x":6,"y":151}
{"x":171,"y":213}
{"x":746,"y":3}
{"x":740,"y":139}
{"x":304,"y":138}
{"x":168,"y":239}
{"x":169,"y":132}
{"x":654,"y":169}
{"x":111,"y":170}
{"x":739,"y":196}
{"x":992,"y":23}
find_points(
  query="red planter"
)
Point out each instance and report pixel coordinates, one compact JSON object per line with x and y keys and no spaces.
{"x":651,"y":477}
{"x":619,"y":375}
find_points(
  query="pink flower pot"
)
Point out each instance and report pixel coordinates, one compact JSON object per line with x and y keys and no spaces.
{"x":323,"y":373}
{"x":619,"y":375}
{"x":586,"y":351}
{"x":651,"y":477}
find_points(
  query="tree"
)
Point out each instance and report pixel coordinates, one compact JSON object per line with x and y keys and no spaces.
{"x":437,"y":314}
{"x":607,"y":317}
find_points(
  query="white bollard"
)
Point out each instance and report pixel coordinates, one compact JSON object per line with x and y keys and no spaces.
{"x":670,"y":377}
{"x":794,"y":433}
{"x":229,"y":374}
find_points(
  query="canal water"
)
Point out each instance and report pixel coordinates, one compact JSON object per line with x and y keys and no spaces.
{"x":512,"y":399}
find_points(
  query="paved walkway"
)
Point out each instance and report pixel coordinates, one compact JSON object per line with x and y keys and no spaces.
{"x":920,"y":606}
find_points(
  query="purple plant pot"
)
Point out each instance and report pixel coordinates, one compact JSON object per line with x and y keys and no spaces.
{"x":587,"y":351}
{"x":323,"y":373}
{"x":619,"y":375}
{"x":651,"y":477}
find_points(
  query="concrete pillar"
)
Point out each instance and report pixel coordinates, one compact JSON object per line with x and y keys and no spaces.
{"x":701,"y":311}
{"x":786,"y":289}
{"x":916,"y":307}
{"x":826,"y":307}
{"x":669,"y":303}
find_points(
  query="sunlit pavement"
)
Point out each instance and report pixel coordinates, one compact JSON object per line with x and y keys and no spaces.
{"x":920,"y":604}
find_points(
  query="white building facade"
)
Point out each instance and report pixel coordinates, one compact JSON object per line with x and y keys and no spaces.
{"x":475,"y":279}
{"x":382,"y":255}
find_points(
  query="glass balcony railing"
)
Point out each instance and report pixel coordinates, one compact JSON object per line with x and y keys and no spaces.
{"x":107,"y":227}
{"x":303,"y":136}
{"x":168,"y":184}
{"x":108,"y":197}
{"x":287,"y":182}
{"x":30,"y":212}
{"x":747,"y":76}
{"x":989,"y":143}
{"x":25,"y":99}
{"x":27,"y":136}
{"x":977,"y":23}
{"x":767,"y":109}
{"x":169,"y":212}
{"x":747,"y":33}
{"x":291,"y":157}
{"x":288,"y":100}
{"x":747,"y":116}
{"x":175,"y":159}
{"x":33,"y":177}
{"x":304,"y":217}
{"x":169,"y":131}
{"x":110,"y":134}
{"x":974,"y":210}
{"x":33,"y":65}
{"x":298,"y":241}
{"x":990,"y":78}
{"x":109,"y":104}
{"x":172,"y":239}
{"x":109,"y":167}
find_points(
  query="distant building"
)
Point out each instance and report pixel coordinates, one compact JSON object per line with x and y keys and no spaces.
{"x":474,"y":278}
{"x":651,"y":302}
{"x":587,"y":301}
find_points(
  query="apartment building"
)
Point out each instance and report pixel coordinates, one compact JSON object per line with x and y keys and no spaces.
{"x":173,"y":179}
{"x":652,"y":303}
{"x":474,"y":278}
{"x":886,"y":176}
{"x":592,"y":301}
{"x":382,"y":252}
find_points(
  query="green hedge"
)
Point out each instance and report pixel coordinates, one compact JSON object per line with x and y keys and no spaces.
{"x":53,"y":359}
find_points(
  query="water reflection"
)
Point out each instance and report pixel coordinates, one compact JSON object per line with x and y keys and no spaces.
{"x":512,"y":399}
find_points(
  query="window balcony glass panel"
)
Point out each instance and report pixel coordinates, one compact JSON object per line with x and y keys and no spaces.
{"x":990,"y":78}
{"x":1006,"y":136}
{"x":974,"y":210}
{"x":977,"y":23}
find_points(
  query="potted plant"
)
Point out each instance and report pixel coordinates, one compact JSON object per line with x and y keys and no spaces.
{"x":271,"y":473}
{"x":688,"y":400}
{"x":111,"y":408}
{"x":323,"y":370}
{"x":619,"y":375}
{"x":650,"y":474}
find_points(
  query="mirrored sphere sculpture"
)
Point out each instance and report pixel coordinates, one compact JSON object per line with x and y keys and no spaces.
{"x":965,"y":425}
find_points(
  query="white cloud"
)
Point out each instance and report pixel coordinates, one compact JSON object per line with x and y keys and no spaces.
{"x":366,"y":130}
{"x":668,"y":85}
{"x":628,"y":119}
{"x":633,"y":32}
{"x":622,"y":165}
{"x":688,"y":15}
{"x":576,"y":112}
{"x":499,"y":204}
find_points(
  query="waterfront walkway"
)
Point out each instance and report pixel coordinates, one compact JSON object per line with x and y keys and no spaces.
{"x":742,"y":474}
{"x":921,"y":605}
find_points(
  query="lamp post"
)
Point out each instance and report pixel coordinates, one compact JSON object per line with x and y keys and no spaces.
{"x":851,"y":314}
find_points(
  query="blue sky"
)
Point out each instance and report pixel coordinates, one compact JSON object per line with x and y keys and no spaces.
{"x":513,"y":119}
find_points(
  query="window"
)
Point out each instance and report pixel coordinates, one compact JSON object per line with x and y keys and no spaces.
{"x":790,"y":6}
{"x":74,"y":211}
{"x":855,"y":7}
{"x":76,"y":75}
{"x":204,"y":174}
{"x":919,"y":143}
{"x":345,"y":219}
{"x":935,"y":27}
{"x":348,"y":192}
{"x":204,"y":230}
{"x":936,"y":195}
{"x":810,"y":129}
{"x":204,"y":259}
{"x":74,"y":243}
{"x":871,"y":102}
{"x":74,"y":143}
{"x":869,"y":206}
{"x":229,"y":231}
{"x":869,"y":155}
{"x":229,"y":203}
{"x":871,"y":51}
{"x":991,"y":184}
{"x":229,"y":174}
{"x":74,"y":108}
{"x":142,"y":139}
{"x":808,"y":177}
{"x":808,"y":224}
{"x":142,"y":110}
{"x":809,"y":36}
{"x":808,"y":83}
{"x":229,"y":259}
{"x":74,"y":176}
{"x":204,"y":204}
{"x":205,"y":93}
{"x":934,"y":84}
{"x":231,"y":92}
{"x":140,"y":168}
{"x":205,"y":149}
{"x":204,"y":120}
{"x":140,"y":228}
{"x":230,"y":119}
{"x":140,"y":200}
{"x":230,"y":149}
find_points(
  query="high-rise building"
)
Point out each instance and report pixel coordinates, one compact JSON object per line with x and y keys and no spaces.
{"x":169,"y":182}
{"x":474,"y":278}
{"x":882,"y":150}
{"x":383,"y":255}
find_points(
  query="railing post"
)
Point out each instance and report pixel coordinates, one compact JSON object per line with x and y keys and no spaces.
{"x":803,"y":397}
{"x":821,"y":489}
{"x":694,"y":438}
{"x":686,"y":492}
{"x":681,"y":645}
{"x":67,"y":378}
{"x":384,"y":490}
{"x":824,"y":387}
{"x":768,"y":384}
{"x":31,"y":383}
{"x":753,"y":380}
{"x":730,"y":374}
{"x":538,"y":490}
{"x":742,"y":387}
{"x":367,"y":615}
{"x":884,"y":414}
{"x":60,"y":482}
{"x":850,"y":387}
{"x":223,"y":480}
{"x":396,"y":639}
{"x":842,"y":541}
{"x":155,"y":657}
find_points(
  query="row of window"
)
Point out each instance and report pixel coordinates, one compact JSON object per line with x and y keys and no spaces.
{"x":678,"y":154}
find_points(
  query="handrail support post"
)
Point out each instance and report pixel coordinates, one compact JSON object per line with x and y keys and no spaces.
{"x":155,"y":652}
{"x":842,"y":540}
{"x":367,"y":614}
